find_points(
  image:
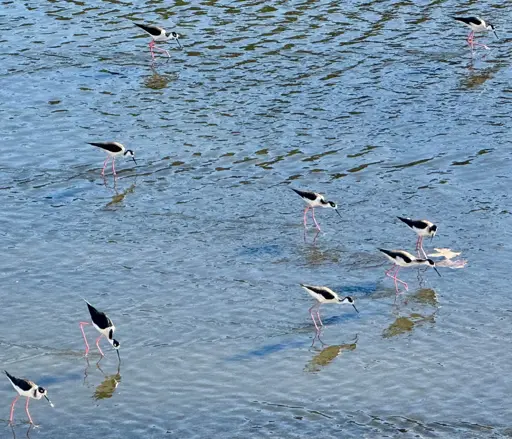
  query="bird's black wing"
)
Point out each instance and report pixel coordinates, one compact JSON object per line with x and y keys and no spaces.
{"x":99,"y":318}
{"x":393,"y":255}
{"x":469,"y":20}
{"x":107,"y":146}
{"x":19,"y":382}
{"x":324,"y":293}
{"x":418,"y":224}
{"x":308,"y":195}
{"x":151,"y":30}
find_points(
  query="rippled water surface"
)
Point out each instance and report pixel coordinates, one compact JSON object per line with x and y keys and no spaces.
{"x":196,"y":254}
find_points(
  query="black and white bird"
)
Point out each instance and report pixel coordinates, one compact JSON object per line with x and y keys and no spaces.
{"x":401,"y":258}
{"x":477,"y":25}
{"x":104,"y":326}
{"x":422,"y":228}
{"x":113,"y":149}
{"x":26,"y":388}
{"x":313,"y":199}
{"x":158,"y":35}
{"x":324,"y":295}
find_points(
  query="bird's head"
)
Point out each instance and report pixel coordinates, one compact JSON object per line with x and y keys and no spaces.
{"x":174,"y":36}
{"x":40,"y":392}
{"x":491,"y":27}
{"x":432,"y":264}
{"x":334,"y":206}
{"x":349,"y":300}
{"x":432,"y":230}
{"x":130,"y":153}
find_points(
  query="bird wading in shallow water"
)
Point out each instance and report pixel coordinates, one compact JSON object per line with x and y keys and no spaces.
{"x":26,"y":388}
{"x":104,"y":326}
{"x":158,"y":35}
{"x":113,"y":149}
{"x":477,"y":25}
{"x":401,"y":258}
{"x":313,"y":199}
{"x":422,"y":228}
{"x":324,"y":295}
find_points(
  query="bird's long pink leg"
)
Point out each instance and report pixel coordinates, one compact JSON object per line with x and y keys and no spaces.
{"x":162,"y":50}
{"x":26,"y":409}
{"x":399,"y":280}
{"x":470,"y":39}
{"x":314,"y":219}
{"x":98,"y":345}
{"x":104,"y":165}
{"x":313,"y":317}
{"x":305,"y":217}
{"x":12,"y":408}
{"x":114,"y":165}
{"x":393,"y":267}
{"x":318,"y":315}
{"x":85,"y":338}
{"x":151,"y":45}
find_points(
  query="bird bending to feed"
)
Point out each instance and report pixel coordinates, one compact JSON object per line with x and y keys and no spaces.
{"x":104,"y":326}
{"x":477,"y":25}
{"x":26,"y":388}
{"x":113,"y":149}
{"x":422,"y":228}
{"x":324,"y":295}
{"x":158,"y":35}
{"x":401,"y":259}
{"x":313,"y":199}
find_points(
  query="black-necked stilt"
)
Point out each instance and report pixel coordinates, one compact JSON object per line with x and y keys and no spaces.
{"x":313,"y":199}
{"x":158,"y":35}
{"x":477,"y":25}
{"x":26,"y":388}
{"x":324,"y":295}
{"x":422,"y":228}
{"x":402,"y":258}
{"x":113,"y":149}
{"x":104,"y":326}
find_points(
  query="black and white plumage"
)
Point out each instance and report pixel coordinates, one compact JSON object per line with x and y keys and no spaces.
{"x":26,"y":388}
{"x":401,"y":258}
{"x":324,"y":295}
{"x":113,"y":149}
{"x":422,"y":228}
{"x":104,"y":326}
{"x":313,"y":200}
{"x":158,"y":35}
{"x":477,"y":25}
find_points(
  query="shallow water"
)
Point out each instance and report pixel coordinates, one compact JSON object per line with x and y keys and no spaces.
{"x":196,"y":254}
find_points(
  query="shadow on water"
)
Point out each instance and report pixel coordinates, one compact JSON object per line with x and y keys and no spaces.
{"x":327,"y":353}
{"x":109,"y":384}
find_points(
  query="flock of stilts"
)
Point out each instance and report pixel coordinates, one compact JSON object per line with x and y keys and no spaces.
{"x":321,"y":294}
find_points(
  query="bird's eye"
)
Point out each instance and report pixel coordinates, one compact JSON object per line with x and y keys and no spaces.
{"x":41,"y":390}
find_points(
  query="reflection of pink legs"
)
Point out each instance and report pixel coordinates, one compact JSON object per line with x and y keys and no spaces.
{"x":28,"y":414}
{"x":85,"y":338}
{"x":12,"y":408}
{"x":313,"y":317}
{"x":98,"y":345}
{"x":314,"y":219}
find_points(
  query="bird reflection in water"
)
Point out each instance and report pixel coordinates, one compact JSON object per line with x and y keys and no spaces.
{"x":326,"y":353}
{"x":157,"y":81}
{"x":27,"y":434}
{"x":108,"y":386}
{"x":314,"y":239}
{"x":405,"y":324}
{"x":118,"y":198}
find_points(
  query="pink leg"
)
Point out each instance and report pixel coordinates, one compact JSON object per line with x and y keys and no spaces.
{"x":28,"y":414}
{"x":151,"y":45}
{"x":162,"y":50}
{"x":104,"y":165}
{"x":85,"y":338}
{"x":398,"y":280}
{"x":314,"y":219}
{"x":98,"y":345}
{"x":114,"y":165}
{"x":12,"y":408}
{"x":313,"y":317}
{"x":470,"y":39}
{"x":318,"y":315}
{"x":305,"y":217}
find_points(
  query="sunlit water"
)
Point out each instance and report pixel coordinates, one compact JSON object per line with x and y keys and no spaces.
{"x":197,"y":253}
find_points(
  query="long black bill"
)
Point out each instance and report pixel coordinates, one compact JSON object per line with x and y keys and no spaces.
{"x":495,"y":34}
{"x":118,"y":356}
{"x":355,"y":308}
{"x":337,"y":211}
{"x":437,"y":271}
{"x":48,"y":399}
{"x":133,"y":158}
{"x":179,"y":44}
